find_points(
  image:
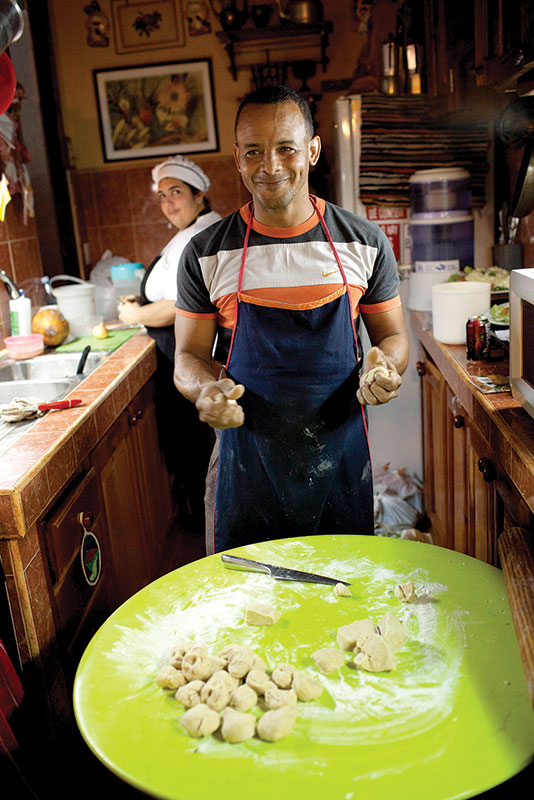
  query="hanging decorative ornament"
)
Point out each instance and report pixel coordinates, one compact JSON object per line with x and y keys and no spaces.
{"x":90,"y":554}
{"x":97,"y":25}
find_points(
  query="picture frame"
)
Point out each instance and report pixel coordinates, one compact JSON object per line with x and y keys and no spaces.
{"x":138,"y":26}
{"x":156,"y":110}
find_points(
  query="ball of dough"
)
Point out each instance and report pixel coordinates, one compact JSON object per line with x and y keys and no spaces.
{"x":393,"y":631}
{"x":215,"y":695}
{"x":348,"y":636}
{"x":178,"y":652}
{"x":262,"y":614}
{"x":405,"y":592}
{"x":328,"y":659}
{"x":244,"y":698}
{"x":306,"y":687}
{"x":200,"y":721}
{"x":198,"y":667}
{"x":282,"y":675}
{"x":375,"y":655}
{"x":189,"y":695}
{"x":276,"y":724}
{"x":258,"y":680}
{"x":342,"y":590}
{"x":276,"y":698}
{"x":237,"y":726}
{"x":170,"y":678}
{"x":371,"y":374}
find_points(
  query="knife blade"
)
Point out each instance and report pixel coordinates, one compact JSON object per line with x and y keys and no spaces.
{"x":278,"y":573}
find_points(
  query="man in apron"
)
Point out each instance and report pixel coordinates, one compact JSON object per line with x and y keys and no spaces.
{"x":280,"y":286}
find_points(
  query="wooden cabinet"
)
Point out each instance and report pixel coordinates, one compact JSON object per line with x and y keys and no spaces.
{"x":135,"y":494}
{"x":460,"y":476}
{"x":122,"y":496}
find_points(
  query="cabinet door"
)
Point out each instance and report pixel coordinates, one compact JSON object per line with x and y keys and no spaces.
{"x":79,"y":608}
{"x":114,"y":461}
{"x":154,"y":490}
{"x":482,"y":525}
{"x":435,"y":450}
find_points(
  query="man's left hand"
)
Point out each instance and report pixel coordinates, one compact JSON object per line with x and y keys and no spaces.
{"x":379,"y":381}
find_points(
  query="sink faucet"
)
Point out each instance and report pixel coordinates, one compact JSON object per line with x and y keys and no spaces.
{"x":14,"y":293}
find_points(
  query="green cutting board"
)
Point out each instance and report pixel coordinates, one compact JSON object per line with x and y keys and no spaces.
{"x":454,"y":718}
{"x":111,"y":342}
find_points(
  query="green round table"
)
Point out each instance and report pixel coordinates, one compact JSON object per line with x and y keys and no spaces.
{"x":451,"y":721}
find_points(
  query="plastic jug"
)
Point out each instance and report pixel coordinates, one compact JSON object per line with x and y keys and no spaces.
{"x":126,"y":279}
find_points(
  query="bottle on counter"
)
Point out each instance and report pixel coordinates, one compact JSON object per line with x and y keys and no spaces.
{"x":20,"y":307}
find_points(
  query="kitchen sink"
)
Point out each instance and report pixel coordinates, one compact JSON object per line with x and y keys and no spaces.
{"x":48,"y":367}
{"x":45,"y":391}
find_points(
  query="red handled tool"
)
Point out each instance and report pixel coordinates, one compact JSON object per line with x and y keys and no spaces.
{"x":59,"y":404}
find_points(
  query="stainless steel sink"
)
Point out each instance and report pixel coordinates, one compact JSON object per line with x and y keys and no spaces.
{"x":48,"y":367}
{"x":45,"y":391}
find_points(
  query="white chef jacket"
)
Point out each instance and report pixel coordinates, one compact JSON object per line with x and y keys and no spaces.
{"x":161,"y":283}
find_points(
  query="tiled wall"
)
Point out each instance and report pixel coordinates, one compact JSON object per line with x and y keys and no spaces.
{"x":19,"y":257}
{"x":116,"y":208}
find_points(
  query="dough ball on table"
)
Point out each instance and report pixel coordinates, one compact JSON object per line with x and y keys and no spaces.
{"x":189,"y":695}
{"x":258,"y":680}
{"x":375,"y":655}
{"x":178,"y":652}
{"x":342,"y":591}
{"x":244,"y":698}
{"x":328,"y":659}
{"x":306,"y":687}
{"x":170,"y":678}
{"x":197,"y":667}
{"x":224,"y":677}
{"x":215,"y":694}
{"x":262,"y":614}
{"x":200,"y":721}
{"x":240,"y":660}
{"x":237,"y":726}
{"x":348,"y":636}
{"x":258,"y":663}
{"x":276,"y":698}
{"x":282,"y":675}
{"x":276,"y":724}
{"x":393,"y":631}
{"x":405,"y":592}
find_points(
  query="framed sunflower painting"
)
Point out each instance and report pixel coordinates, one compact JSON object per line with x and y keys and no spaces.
{"x":156,"y":110}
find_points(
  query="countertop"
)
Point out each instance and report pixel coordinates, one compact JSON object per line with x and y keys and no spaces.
{"x":507,"y":427}
{"x":41,"y":463}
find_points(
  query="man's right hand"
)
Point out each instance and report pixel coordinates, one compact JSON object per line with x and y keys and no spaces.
{"x":216,"y":404}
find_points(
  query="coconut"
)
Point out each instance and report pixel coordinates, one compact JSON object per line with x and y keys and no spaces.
{"x":52,"y":324}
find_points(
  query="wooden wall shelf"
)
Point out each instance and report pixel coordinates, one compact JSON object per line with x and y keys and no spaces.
{"x":283,"y":44}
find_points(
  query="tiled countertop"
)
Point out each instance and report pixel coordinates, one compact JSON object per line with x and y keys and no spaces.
{"x":507,"y":427}
{"x":43,"y":460}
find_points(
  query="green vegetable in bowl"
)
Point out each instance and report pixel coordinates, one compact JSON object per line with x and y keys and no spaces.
{"x":500,"y":313}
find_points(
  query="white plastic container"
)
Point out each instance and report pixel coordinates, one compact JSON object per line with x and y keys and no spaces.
{"x":75,"y":301}
{"x":421,"y":283}
{"x":20,"y":312}
{"x":453,"y":304}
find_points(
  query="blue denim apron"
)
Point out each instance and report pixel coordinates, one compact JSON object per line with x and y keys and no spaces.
{"x":300,"y":464}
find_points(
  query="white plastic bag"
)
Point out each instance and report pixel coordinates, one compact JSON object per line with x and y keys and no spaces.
{"x":397,"y":500}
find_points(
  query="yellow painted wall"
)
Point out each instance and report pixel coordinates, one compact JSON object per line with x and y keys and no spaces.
{"x":75,"y":61}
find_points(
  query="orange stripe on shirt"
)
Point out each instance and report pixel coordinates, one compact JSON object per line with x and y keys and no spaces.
{"x":283,"y":233}
{"x":378,"y":308}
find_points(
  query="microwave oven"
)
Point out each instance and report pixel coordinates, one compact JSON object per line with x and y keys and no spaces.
{"x":521,"y":368}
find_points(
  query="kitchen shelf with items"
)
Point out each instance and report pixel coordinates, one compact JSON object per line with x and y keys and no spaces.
{"x":280,"y":45}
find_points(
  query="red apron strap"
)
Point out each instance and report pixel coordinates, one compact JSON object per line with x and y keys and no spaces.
{"x":240,"y":283}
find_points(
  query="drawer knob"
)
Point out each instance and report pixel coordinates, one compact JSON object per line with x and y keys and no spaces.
{"x":458,"y":421}
{"x":86,"y":518}
{"x":421,"y":368}
{"x":487,"y":469}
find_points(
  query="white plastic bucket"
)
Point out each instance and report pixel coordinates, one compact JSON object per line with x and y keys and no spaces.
{"x":453,"y":304}
{"x":74,"y":301}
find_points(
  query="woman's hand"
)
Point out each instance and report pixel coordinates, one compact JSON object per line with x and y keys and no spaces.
{"x":128,"y":311}
{"x":217,"y":404}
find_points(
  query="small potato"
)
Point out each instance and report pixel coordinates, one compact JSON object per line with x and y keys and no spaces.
{"x":170,"y":678}
{"x":200,"y":721}
{"x":237,"y":726}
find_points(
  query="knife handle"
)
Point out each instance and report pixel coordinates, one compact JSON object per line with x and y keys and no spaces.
{"x":236,"y":562}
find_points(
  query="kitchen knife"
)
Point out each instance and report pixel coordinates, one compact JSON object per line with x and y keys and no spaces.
{"x":279,"y":573}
